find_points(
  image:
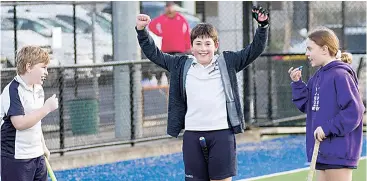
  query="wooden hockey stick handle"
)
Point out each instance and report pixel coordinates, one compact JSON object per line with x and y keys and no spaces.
{"x":313,"y":161}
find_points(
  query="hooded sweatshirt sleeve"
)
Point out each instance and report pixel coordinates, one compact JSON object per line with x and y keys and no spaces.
{"x":349,"y":102}
{"x":152,"y":52}
{"x":300,"y":95}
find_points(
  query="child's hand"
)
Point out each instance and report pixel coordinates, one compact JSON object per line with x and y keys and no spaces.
{"x":142,"y":20}
{"x":47,"y":152}
{"x":260,"y":15}
{"x":295,"y":74}
{"x":319,"y":134}
{"x":52,"y":103}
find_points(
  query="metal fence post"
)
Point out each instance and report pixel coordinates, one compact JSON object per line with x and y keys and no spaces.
{"x":61,"y":110}
{"x":75,"y":52}
{"x":94,"y":70}
{"x":342,"y":38}
{"x":308,"y":27}
{"x":125,"y":48}
{"x":270,"y":85}
{"x":15,"y":21}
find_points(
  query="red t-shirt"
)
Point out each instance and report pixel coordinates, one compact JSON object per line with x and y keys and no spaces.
{"x":174,"y":31}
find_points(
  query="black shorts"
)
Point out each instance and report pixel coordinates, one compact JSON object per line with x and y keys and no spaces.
{"x":322,"y":166}
{"x":222,"y":160}
{"x":23,"y":169}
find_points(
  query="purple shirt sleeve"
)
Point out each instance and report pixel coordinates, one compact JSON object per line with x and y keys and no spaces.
{"x":300,"y":95}
{"x":350,"y":104}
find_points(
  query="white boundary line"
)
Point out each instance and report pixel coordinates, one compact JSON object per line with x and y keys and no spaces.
{"x":275,"y":174}
{"x":283,"y":173}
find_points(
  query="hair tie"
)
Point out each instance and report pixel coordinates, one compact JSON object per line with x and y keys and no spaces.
{"x":338,"y":55}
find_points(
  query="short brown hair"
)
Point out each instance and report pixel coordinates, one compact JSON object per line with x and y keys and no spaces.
{"x":202,"y":30}
{"x":325,"y":36}
{"x":32,"y":55}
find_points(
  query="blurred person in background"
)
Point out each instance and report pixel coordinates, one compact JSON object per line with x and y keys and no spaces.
{"x":174,"y":30}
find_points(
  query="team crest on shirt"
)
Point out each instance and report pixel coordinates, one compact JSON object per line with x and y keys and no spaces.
{"x":216,"y":67}
{"x":40,"y":94}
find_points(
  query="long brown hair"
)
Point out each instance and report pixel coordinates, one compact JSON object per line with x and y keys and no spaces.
{"x":323,"y":36}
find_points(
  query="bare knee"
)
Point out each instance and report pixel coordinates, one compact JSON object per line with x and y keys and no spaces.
{"x":344,"y":174}
{"x":321,"y":175}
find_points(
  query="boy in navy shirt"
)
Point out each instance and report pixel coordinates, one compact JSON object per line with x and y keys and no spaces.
{"x":22,"y":108}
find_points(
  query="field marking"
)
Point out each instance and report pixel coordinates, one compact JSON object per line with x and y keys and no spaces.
{"x":283,"y":173}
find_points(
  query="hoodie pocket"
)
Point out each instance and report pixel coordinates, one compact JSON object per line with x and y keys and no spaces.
{"x":336,"y":146}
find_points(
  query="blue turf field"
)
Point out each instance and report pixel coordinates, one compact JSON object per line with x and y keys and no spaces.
{"x":254,"y":159}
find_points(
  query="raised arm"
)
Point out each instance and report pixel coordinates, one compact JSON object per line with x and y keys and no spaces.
{"x":300,"y":92}
{"x":247,"y":55}
{"x":22,"y":121}
{"x":148,"y":46}
{"x":300,"y":95}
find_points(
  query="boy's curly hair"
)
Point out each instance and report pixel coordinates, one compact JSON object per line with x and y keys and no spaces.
{"x":32,"y":55}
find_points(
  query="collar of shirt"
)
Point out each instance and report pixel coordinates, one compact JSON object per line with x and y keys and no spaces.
{"x":21,"y":82}
{"x":196,"y":63}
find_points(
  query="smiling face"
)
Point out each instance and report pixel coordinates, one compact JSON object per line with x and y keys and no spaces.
{"x":204,"y":41}
{"x":203,"y":48}
{"x":32,"y":63}
{"x":37,"y":73}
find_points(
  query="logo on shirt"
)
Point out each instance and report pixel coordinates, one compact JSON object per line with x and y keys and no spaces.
{"x":189,"y":176}
{"x":159,"y":27}
{"x":40,"y":94}
{"x":316,"y":100}
{"x":216,"y":67}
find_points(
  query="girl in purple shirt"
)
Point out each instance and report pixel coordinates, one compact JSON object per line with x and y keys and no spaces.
{"x":333,"y":106}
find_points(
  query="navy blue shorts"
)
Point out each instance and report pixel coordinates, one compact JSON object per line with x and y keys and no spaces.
{"x":23,"y":169}
{"x":222,"y":160}
{"x":322,"y":166}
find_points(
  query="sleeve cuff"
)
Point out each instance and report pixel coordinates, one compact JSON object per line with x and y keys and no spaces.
{"x":298,"y":83}
{"x":140,"y":31}
{"x":326,"y":128}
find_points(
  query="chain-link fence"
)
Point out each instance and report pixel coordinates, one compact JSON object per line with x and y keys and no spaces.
{"x":101,"y":105}
{"x":291,"y":21}
{"x":116,"y":103}
{"x":265,"y":84}
{"x":72,"y":33}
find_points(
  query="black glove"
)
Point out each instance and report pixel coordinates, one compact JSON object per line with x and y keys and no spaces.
{"x":255,"y":15}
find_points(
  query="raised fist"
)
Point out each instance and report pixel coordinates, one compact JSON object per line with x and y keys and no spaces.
{"x":142,"y":20}
{"x":51,"y":103}
{"x":261,"y":15}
